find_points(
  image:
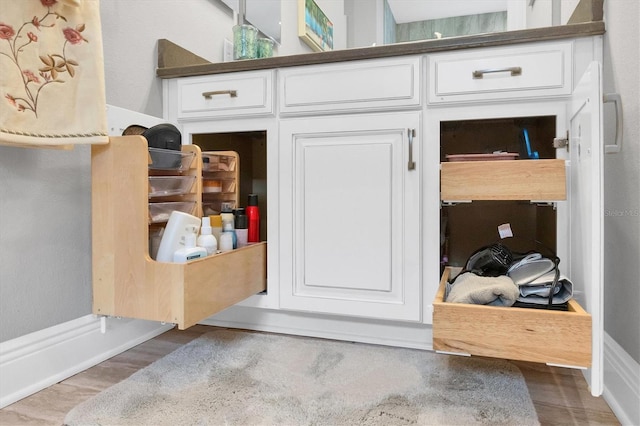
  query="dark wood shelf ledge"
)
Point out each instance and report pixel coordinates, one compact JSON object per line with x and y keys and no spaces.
{"x":175,"y":61}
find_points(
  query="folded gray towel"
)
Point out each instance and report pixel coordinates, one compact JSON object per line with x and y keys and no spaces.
{"x":471,"y":288}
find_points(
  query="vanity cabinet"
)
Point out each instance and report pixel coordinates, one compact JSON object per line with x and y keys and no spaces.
{"x":235,"y":113}
{"x":350,"y":215}
{"x":361,"y":198}
{"x":545,"y":209}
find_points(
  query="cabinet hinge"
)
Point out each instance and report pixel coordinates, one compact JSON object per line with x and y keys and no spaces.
{"x":561,"y":142}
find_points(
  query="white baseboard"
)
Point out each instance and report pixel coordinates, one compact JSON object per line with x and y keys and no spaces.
{"x":37,"y":360}
{"x":401,"y":334}
{"x":621,"y":383}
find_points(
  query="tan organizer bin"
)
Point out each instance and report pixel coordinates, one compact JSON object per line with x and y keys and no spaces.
{"x":126,"y":281}
{"x":536,"y":180}
{"x":536,"y":335}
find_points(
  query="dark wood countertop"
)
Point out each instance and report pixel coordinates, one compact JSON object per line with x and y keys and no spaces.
{"x":173,"y":61}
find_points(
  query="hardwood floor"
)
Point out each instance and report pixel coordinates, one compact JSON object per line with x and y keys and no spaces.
{"x":560,"y":395}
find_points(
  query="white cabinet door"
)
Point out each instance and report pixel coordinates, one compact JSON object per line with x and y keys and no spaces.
{"x":586,"y":217}
{"x":349,"y":215}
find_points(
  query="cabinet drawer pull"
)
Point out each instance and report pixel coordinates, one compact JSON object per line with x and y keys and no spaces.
{"x":411,"y":165}
{"x":513,"y":70}
{"x":231,"y":93}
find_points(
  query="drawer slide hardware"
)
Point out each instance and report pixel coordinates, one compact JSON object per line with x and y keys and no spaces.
{"x":411,"y":133}
{"x":231,"y":93}
{"x":452,"y":353}
{"x":561,"y":142}
{"x":447,"y":203}
{"x":515,"y":71}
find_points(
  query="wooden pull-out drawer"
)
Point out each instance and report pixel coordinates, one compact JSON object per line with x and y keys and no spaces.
{"x":537,"y":335}
{"x":126,"y":281}
{"x":538,"y":180}
{"x":501,"y":73}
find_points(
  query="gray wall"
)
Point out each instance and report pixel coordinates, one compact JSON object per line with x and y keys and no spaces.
{"x":45,"y":196}
{"x":45,"y":238}
{"x":622,"y":178}
{"x":45,"y":250}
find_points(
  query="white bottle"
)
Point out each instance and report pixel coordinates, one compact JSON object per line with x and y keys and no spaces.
{"x":226,"y":241}
{"x":179,"y":225}
{"x":206,"y":238}
{"x":189,"y":251}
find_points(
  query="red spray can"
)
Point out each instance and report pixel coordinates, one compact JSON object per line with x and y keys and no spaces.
{"x":253,"y":216}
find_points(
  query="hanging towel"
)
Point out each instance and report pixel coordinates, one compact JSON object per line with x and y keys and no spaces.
{"x":474,"y":289}
{"x":51,"y":73}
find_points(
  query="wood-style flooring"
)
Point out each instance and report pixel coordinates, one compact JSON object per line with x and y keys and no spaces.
{"x":560,"y":395}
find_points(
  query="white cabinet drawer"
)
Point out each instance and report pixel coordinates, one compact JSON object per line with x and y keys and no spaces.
{"x":225,"y":95}
{"x":361,"y":85}
{"x":501,"y":73}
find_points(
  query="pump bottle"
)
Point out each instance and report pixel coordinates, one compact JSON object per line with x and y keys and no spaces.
{"x":206,"y":239}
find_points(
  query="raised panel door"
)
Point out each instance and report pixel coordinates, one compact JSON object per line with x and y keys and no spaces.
{"x":350,"y":221}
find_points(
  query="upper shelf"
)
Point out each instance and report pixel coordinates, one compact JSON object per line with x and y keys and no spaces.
{"x":535,"y":180}
{"x":175,"y":61}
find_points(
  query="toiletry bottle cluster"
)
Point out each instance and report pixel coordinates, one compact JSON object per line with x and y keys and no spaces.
{"x":187,"y":237}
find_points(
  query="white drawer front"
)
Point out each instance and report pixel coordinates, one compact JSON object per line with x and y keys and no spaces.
{"x":362,"y":85}
{"x":501,"y":73}
{"x":226,"y":95}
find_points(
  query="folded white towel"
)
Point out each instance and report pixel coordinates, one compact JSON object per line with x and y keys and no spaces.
{"x":474,"y":289}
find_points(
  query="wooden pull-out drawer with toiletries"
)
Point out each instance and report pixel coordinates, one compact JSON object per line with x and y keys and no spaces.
{"x":537,"y":335}
{"x":127,"y":282}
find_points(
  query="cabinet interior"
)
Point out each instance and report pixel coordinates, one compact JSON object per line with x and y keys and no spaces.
{"x":498,"y":134}
{"x":468,"y":226}
{"x":251,"y":148}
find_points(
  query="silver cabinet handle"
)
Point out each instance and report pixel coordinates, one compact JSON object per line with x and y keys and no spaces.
{"x":513,"y":70}
{"x":411,"y":133}
{"x":231,"y":93}
{"x":617,"y":100}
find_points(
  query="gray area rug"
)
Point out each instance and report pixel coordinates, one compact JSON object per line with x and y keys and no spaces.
{"x":229,"y":377}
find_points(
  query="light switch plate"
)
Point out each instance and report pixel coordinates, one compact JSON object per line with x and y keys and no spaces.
{"x":228,"y":51}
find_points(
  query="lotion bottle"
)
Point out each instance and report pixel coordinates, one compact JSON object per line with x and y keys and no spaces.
{"x":227,"y":228}
{"x":226,"y":241}
{"x":206,"y":238}
{"x":216,"y":226}
{"x":189,"y":251}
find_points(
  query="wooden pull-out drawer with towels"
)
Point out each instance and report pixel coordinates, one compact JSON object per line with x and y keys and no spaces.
{"x":501,"y":73}
{"x":535,"y":335}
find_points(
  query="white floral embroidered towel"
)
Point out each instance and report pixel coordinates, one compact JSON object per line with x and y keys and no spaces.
{"x":51,"y":73}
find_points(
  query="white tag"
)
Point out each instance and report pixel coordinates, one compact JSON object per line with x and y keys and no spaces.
{"x":505,"y":231}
